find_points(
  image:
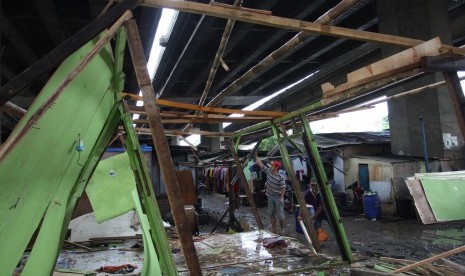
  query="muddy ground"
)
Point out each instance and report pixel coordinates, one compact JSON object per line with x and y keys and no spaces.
{"x":387,"y":236}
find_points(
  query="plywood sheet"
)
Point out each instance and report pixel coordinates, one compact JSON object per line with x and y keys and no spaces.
{"x":421,"y":203}
{"x":43,"y":163}
{"x":110,"y":188}
{"x":445,"y":196}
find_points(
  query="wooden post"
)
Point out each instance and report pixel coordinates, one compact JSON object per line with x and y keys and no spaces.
{"x":245,"y":185}
{"x":162,"y":149}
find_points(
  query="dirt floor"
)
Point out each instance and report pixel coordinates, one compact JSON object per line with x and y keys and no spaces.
{"x":386,"y":237}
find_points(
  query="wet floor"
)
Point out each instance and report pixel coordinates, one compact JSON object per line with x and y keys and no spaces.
{"x":253,"y":253}
{"x":387,"y":237}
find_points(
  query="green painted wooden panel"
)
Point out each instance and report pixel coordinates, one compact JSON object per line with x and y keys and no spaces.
{"x":445,"y":195}
{"x":43,"y":257}
{"x":151,"y":264}
{"x":42,"y":169}
{"x":111,"y":194}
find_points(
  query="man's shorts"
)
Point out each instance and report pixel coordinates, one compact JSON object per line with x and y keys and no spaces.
{"x":275,"y":207}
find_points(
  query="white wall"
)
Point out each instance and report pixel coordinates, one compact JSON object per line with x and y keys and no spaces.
{"x":339,"y":177}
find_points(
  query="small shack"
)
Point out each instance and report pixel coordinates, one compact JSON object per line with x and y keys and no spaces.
{"x":386,"y":175}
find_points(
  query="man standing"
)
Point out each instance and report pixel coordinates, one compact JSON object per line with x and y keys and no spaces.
{"x":275,"y":188}
{"x":313,"y":197}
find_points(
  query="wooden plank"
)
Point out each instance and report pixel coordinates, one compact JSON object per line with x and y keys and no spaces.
{"x":174,"y":115}
{"x":175,"y":132}
{"x":207,"y":120}
{"x":187,"y":186}
{"x":55,"y":57}
{"x":162,"y":149}
{"x":240,"y":8}
{"x":421,"y":203}
{"x":209,"y":109}
{"x":290,"y":24}
{"x":431,"y":259}
{"x":404,"y":58}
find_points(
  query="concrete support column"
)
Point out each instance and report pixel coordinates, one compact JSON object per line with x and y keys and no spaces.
{"x":212,"y":143}
{"x":174,"y":140}
{"x":420,"y":19}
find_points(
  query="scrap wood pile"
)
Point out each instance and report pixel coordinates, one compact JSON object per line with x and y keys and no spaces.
{"x":435,"y":265}
{"x":439,"y":267}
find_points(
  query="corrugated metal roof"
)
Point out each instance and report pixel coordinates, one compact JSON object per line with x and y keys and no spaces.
{"x":328,"y":140}
{"x":332,"y":140}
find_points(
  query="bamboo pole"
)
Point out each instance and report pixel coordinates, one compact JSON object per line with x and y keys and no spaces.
{"x":219,"y":55}
{"x":13,"y":109}
{"x":281,"y":52}
{"x":217,"y":60}
{"x":307,"y":237}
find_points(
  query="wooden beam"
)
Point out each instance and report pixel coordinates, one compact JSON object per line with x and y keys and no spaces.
{"x":172,"y":132}
{"x":206,"y":120}
{"x":409,"y":56}
{"x":281,"y":53}
{"x":357,"y":88}
{"x":166,"y":103}
{"x":240,"y":8}
{"x":230,"y":100}
{"x":217,"y":117}
{"x":55,"y":57}
{"x":286,"y":23}
{"x":162,"y":149}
